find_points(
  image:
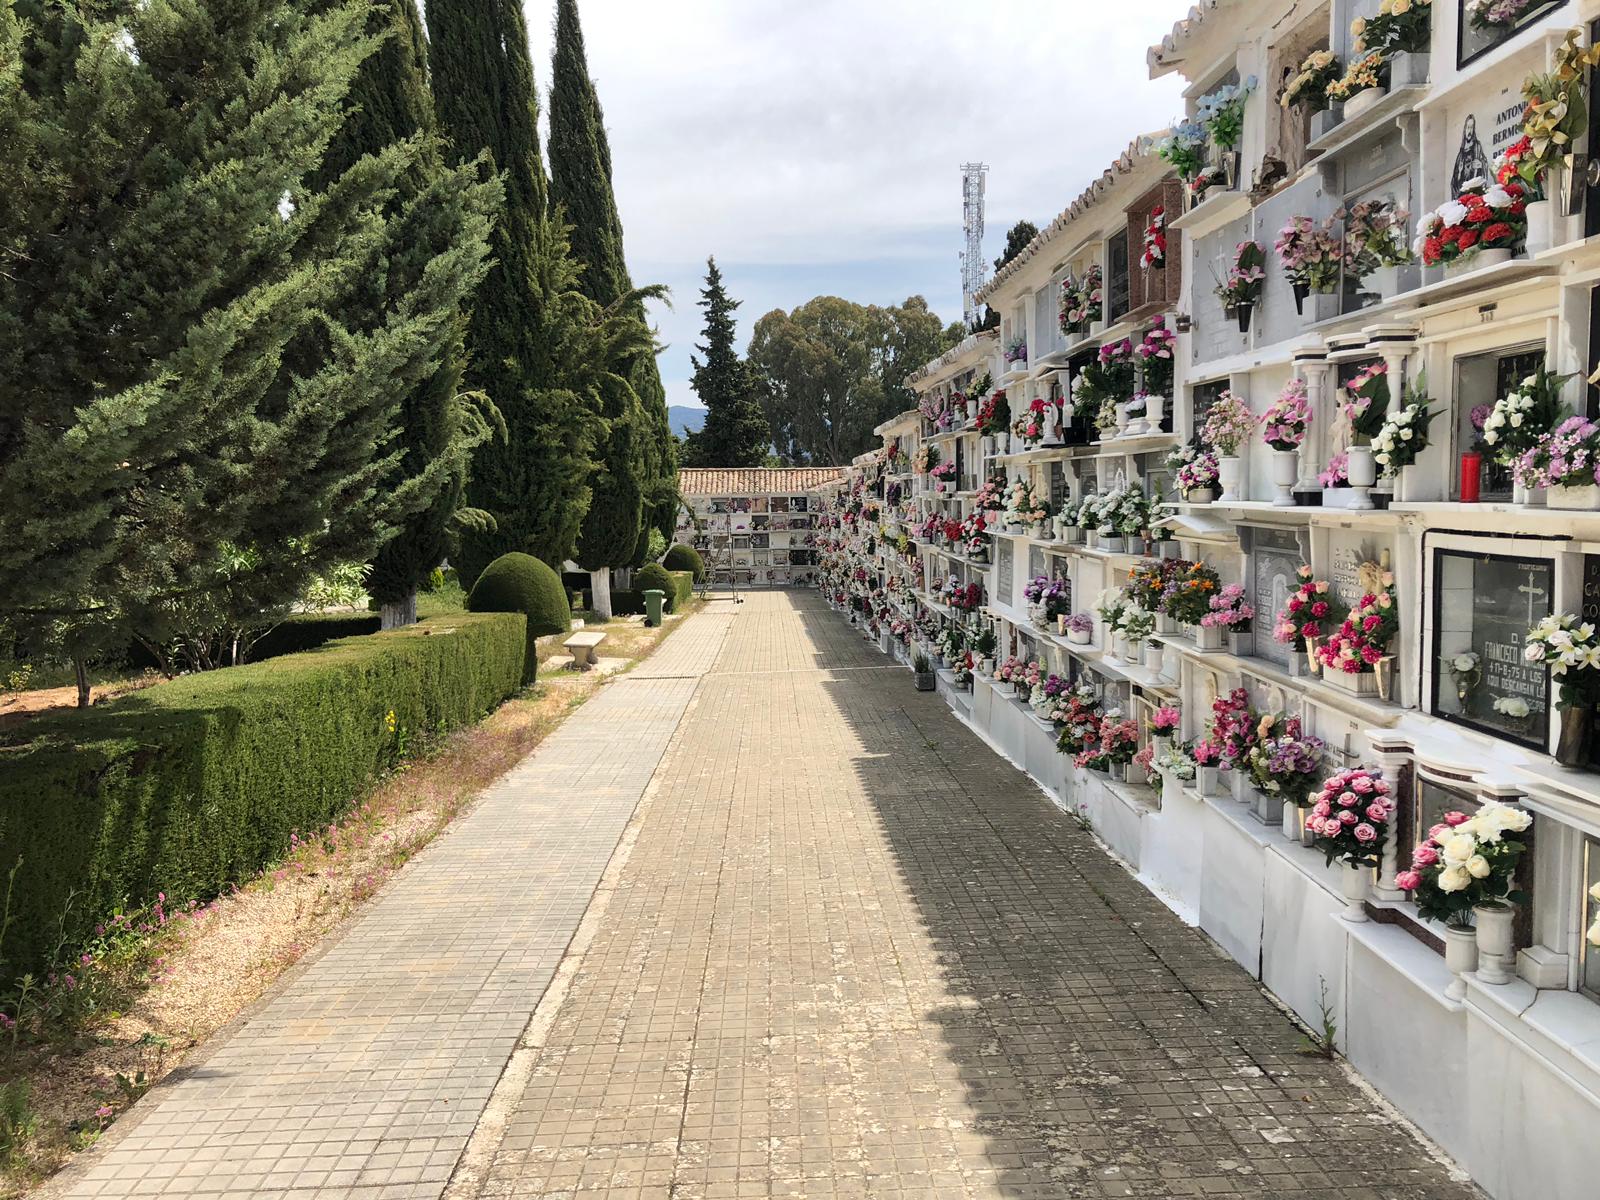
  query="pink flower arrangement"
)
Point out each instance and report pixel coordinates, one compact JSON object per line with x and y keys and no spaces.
{"x":1366,"y":401}
{"x":1337,"y":473}
{"x":1363,"y":639}
{"x":1233,"y":728}
{"x":1311,"y":611}
{"x":1351,"y":815}
{"x":1155,"y":241}
{"x":1567,"y":456}
{"x":1287,"y":419}
{"x":1166,"y":719}
{"x":1229,"y":610}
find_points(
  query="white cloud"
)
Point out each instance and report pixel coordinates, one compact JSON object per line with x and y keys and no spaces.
{"x":806,"y":142}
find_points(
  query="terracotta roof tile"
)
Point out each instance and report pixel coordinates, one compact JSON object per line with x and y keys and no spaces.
{"x":755,"y":481}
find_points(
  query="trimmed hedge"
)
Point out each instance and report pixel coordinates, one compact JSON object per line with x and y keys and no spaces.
{"x":519,"y":582}
{"x":295,"y":634}
{"x":191,"y":785}
{"x":685,"y":558}
{"x":654,"y":577}
{"x":683,"y":588}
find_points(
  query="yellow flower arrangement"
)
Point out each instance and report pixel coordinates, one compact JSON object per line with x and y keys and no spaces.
{"x":1363,"y":73}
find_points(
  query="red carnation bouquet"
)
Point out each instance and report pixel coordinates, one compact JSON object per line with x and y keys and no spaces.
{"x":1486,"y":216}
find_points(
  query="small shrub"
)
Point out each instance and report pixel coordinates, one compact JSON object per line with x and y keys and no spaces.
{"x":921,"y":664}
{"x":654,"y":577}
{"x":521,"y":583}
{"x":683,"y":589}
{"x":17,"y":1121}
{"x":685,"y":558}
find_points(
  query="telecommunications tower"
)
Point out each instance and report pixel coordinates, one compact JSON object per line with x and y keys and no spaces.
{"x":973,"y":176}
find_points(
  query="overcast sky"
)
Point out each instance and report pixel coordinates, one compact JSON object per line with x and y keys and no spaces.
{"x":815,"y":146}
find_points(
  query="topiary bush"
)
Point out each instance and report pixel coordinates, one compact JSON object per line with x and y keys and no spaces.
{"x":654,"y":577}
{"x":683,"y":588}
{"x":191,"y":785}
{"x":521,"y":583}
{"x":685,"y":558}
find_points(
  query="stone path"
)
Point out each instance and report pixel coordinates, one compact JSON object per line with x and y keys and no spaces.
{"x":850,"y":953}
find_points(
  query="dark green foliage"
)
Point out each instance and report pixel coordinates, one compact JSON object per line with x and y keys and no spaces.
{"x":439,"y":428}
{"x":1017,"y":239}
{"x":685,"y":558}
{"x":191,"y":785}
{"x":832,"y":370}
{"x":197,"y":320}
{"x":521,"y":583}
{"x":682,"y":589}
{"x":292,"y":635}
{"x":735,"y":433}
{"x":678,"y":585}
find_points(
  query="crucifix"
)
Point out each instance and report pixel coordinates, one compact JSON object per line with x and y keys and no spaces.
{"x":1533,"y":592}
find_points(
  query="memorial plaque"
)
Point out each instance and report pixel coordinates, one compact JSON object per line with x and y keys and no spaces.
{"x":1484,"y":607}
{"x":1005,"y":570}
{"x":1036,"y":566}
{"x":1355,"y":561}
{"x":1275,"y":557}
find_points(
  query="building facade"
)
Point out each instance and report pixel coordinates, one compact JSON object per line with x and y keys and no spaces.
{"x":1325,"y":342}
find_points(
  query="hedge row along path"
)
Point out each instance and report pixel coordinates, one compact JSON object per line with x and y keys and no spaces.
{"x":844,"y":950}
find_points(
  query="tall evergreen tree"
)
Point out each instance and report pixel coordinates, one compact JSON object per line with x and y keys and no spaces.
{"x":389,"y":102}
{"x":533,"y":336}
{"x":735,"y":433}
{"x":201,"y":345}
{"x":581,"y":190}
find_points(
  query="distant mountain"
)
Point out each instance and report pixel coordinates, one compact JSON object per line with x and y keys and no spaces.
{"x":684,"y":419}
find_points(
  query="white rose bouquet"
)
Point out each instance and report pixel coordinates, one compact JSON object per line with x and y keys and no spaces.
{"x":1467,"y":861}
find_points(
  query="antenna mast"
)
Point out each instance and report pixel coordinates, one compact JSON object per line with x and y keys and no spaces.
{"x":973,"y":177}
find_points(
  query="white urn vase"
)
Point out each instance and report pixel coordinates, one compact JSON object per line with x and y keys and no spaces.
{"x":1460,"y":956}
{"x":1363,"y":473}
{"x":1496,"y":956}
{"x":1355,"y":883}
{"x":1230,"y":474}
{"x":1285,"y":473}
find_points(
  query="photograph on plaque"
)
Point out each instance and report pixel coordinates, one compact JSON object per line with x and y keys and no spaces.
{"x":798,"y":504}
{"x":1483,"y":606}
{"x":720,"y":506}
{"x":759,"y":541}
{"x":741,"y":504}
{"x":780,"y":504}
{"x":760,"y":522}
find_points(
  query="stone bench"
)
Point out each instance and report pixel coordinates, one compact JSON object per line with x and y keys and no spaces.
{"x":582,"y":647}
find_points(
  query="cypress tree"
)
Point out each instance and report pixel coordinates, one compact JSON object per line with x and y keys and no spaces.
{"x":534,"y":340}
{"x":735,"y":433}
{"x":389,"y":102}
{"x":581,"y":190}
{"x":198,"y":338}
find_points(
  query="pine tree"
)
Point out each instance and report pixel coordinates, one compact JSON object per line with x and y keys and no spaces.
{"x":534,"y":340}
{"x":581,"y":190}
{"x":735,"y":433}
{"x":200,"y":346}
{"x":390,"y":101}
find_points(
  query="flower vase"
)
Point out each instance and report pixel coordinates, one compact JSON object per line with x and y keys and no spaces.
{"x":1354,"y":683}
{"x":1290,"y":821}
{"x":1355,"y":892}
{"x":1061,"y":624}
{"x":1355,"y":105}
{"x":1541,"y":217}
{"x":1496,"y":955}
{"x":1301,"y":291}
{"x":1229,"y":473}
{"x":1079,"y":637}
{"x":1313,"y":655}
{"x":1460,"y":956}
{"x":1239,"y":784}
{"x":1113,"y":543}
{"x":1122,"y":419}
{"x":1363,"y":473}
{"x":1205,"y":779}
{"x":1208,"y":637}
{"x":1153,"y":657}
{"x":1264,"y":807}
{"x":1203,"y":495}
{"x":1154,"y":413}
{"x":1133,"y":651}
{"x":1165,"y":624}
{"x":1285,"y":474}
{"x":1118,"y":772}
{"x":1383,"y":675}
{"x":1572,"y":748}
{"x":1243,"y":312}
{"x":1574,"y":499}
{"x":1238,"y":643}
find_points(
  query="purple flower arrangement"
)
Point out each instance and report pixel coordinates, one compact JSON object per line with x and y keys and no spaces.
{"x":1567,"y":456}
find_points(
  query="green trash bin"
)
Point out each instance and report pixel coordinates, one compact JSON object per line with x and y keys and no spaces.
{"x":653,"y":599}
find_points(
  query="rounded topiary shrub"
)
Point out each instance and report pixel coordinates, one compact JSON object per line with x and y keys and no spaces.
{"x":521,"y":583}
{"x":685,"y":558}
{"x":654,"y":576}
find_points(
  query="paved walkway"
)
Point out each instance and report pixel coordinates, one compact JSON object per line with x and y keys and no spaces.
{"x":850,"y":952}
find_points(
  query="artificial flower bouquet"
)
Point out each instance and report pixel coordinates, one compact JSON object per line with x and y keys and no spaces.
{"x":1374,"y":236}
{"x":1029,"y":425}
{"x":1570,"y":647}
{"x":1467,"y":861}
{"x":1285,"y":761}
{"x":1242,"y":287}
{"x":1400,"y":27}
{"x":1498,"y":14}
{"x":1228,"y":610}
{"x":1404,"y":434}
{"x":944,"y":476}
{"x":1485,"y":216}
{"x":1556,"y":115}
{"x":1568,"y":456}
{"x":1155,"y":355}
{"x":1154,"y":256}
{"x":1309,"y":86}
{"x":1187,"y":596}
{"x":1024,"y":506}
{"x":994,"y":415}
{"x":1165,"y":720}
{"x":1229,"y":424}
{"x":1184,"y":149}
{"x":1080,"y":628}
{"x":1366,"y":402}
{"x":1080,"y":302}
{"x":1112,"y":607}
{"x":1119,"y":740}
{"x":967,"y":597}
{"x":991,"y":496}
{"x":1116,"y":364}
{"x":927,"y":459}
{"x":1079,"y":721}
{"x":1233,"y":730}
{"x":1222,"y":112}
{"x":1362,"y":640}
{"x":1523,"y":415}
{"x":1137,"y":623}
{"x":1337,"y":473}
{"x":1053,"y":596}
{"x":1016,"y":350}
{"x":1351,"y":816}
{"x":1148,"y":578}
{"x":1311,"y":254}
{"x":1196,"y":472}
{"x":1288,"y":418}
{"x":1175,"y":760}
{"x":1367,"y":71}
{"x":1312,"y":611}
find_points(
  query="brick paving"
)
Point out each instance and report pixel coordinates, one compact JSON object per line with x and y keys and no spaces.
{"x":851,"y":952}
{"x":854,"y":953}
